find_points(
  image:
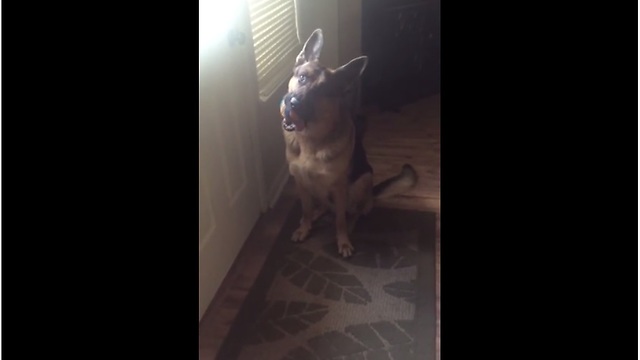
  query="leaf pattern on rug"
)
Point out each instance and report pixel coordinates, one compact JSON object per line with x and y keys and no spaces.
{"x":380,"y":340}
{"x":317,"y":274}
{"x":379,"y":251}
{"x":279,"y":318}
{"x":406,"y":290}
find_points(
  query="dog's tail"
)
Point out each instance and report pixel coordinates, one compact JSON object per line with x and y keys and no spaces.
{"x":398,"y":184}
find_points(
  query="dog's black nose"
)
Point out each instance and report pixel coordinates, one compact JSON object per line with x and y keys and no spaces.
{"x":294,"y":102}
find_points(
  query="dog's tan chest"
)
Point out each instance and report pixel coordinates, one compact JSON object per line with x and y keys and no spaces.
{"x":318,"y":168}
{"x":313,"y":174}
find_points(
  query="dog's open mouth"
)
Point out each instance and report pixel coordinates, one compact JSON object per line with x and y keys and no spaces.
{"x":292,"y":121}
{"x":289,"y":126}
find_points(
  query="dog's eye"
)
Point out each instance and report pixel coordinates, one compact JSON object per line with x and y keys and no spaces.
{"x":302,"y":79}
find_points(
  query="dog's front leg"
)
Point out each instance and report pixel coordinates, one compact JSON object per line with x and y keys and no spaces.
{"x":307,"y":214}
{"x":340,"y":194}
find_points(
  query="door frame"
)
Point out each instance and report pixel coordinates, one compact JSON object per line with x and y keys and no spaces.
{"x":254,"y":134}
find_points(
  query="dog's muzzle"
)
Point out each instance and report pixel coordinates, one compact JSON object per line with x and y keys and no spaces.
{"x":291,"y":119}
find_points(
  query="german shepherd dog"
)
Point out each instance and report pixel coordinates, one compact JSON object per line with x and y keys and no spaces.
{"x":324,"y":145}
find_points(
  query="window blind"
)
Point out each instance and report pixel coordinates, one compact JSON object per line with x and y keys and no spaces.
{"x":275,"y":42}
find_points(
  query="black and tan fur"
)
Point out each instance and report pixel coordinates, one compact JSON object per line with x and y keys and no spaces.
{"x":324,"y":145}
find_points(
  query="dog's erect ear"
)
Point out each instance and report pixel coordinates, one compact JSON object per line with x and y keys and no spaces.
{"x":347,"y":74}
{"x":312,"y":48}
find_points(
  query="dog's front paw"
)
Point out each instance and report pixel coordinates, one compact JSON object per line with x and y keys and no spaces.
{"x":301,"y":233}
{"x":344,"y":247}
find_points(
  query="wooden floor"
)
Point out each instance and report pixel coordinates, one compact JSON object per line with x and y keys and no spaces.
{"x":392,"y":139}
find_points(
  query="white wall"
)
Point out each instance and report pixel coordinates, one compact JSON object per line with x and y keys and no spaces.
{"x":349,"y":29}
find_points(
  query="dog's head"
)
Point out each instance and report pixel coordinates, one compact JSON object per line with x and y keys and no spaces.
{"x":315,"y":89}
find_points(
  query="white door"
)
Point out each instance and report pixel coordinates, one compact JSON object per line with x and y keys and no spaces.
{"x":230,"y":199}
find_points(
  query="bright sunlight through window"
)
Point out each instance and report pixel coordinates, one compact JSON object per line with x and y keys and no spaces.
{"x":275,"y":41}
{"x":217,"y":17}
